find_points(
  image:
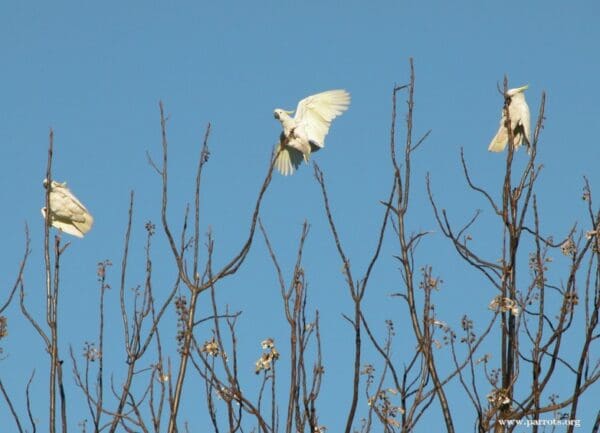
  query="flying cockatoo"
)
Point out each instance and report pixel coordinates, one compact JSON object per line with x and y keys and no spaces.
{"x":305,"y":132}
{"x":66,"y":212}
{"x":519,"y":121}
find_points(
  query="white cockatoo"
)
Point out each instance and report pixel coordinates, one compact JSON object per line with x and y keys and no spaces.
{"x":305,"y":132}
{"x":519,"y":122}
{"x":66,"y":212}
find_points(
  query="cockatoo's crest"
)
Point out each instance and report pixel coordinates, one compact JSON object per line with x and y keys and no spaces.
{"x":512,"y":92}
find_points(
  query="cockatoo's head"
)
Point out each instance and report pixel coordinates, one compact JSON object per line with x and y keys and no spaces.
{"x":280,"y":114}
{"x":53,"y":184}
{"x":518,"y":90}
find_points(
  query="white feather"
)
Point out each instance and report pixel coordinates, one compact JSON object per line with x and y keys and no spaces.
{"x":288,"y":159}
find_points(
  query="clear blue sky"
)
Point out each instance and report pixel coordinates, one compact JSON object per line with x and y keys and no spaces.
{"x":95,"y":72}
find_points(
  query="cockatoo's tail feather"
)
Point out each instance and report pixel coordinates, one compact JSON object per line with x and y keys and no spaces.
{"x":287,"y":160}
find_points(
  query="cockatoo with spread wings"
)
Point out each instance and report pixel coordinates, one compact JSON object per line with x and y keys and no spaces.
{"x":519,"y":122}
{"x":306,"y":131}
{"x":66,"y":212}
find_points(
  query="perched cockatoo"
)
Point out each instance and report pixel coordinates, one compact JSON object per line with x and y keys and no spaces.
{"x":519,"y":122}
{"x":305,"y":132}
{"x":66,"y":212}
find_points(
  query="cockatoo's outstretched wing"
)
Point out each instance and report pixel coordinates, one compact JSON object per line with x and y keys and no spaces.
{"x":287,"y":159}
{"x":67,"y":213}
{"x":316,"y":112}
